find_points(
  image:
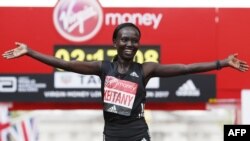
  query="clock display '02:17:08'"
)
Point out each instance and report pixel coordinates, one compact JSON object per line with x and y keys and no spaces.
{"x":95,"y":53}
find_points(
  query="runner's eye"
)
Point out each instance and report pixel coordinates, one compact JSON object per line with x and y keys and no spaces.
{"x":124,"y":39}
{"x":135,"y":41}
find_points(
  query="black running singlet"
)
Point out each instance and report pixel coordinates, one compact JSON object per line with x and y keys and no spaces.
{"x":124,"y":96}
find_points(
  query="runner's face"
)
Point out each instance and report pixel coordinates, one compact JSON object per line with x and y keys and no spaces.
{"x":127,"y":42}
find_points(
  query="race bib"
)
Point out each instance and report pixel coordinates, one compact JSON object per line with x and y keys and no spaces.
{"x":119,"y":95}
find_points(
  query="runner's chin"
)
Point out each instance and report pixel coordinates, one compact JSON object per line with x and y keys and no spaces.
{"x":128,"y":55}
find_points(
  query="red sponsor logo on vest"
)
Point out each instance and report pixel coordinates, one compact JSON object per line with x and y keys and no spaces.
{"x":126,"y":86}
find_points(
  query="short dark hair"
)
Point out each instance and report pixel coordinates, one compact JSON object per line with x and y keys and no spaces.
{"x":120,"y":26}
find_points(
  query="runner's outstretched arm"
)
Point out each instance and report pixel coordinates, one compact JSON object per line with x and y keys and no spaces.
{"x":74,"y":66}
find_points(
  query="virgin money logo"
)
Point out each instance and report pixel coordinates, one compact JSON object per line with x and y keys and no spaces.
{"x":123,"y":85}
{"x":78,"y":20}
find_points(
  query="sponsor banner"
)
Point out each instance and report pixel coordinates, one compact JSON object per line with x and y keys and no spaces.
{"x":81,"y":20}
{"x":189,"y":88}
{"x":40,"y":87}
{"x":171,"y":26}
{"x":68,"y":86}
{"x":73,"y":80}
{"x":69,"y":26}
